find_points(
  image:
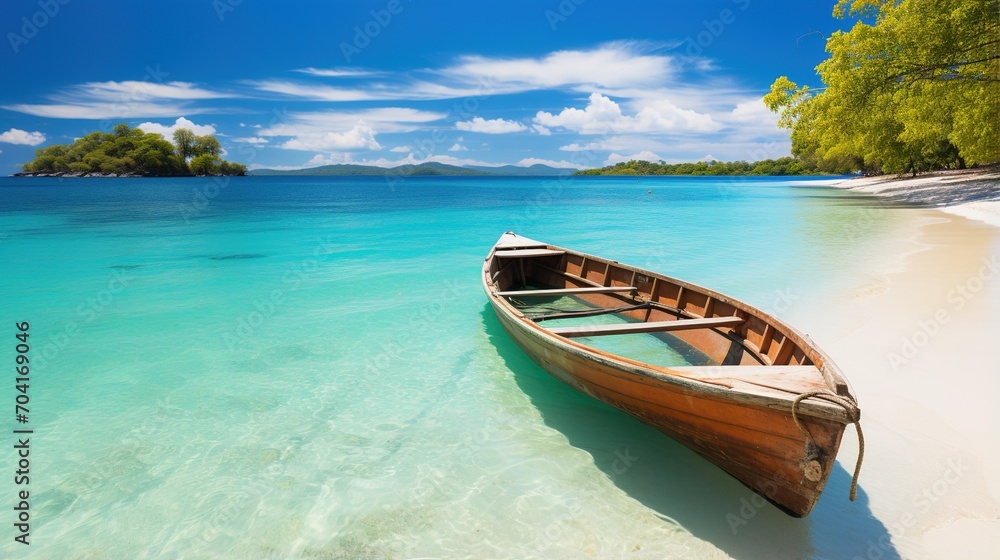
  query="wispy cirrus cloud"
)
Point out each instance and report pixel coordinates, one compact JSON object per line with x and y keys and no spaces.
{"x":610,"y":65}
{"x":125,"y":99}
{"x":314,"y":92}
{"x":338,"y":72}
{"x":383,"y":91}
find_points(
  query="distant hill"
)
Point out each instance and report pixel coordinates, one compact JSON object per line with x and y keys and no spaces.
{"x":430,"y":168}
{"x":349,"y":170}
{"x":537,"y":170}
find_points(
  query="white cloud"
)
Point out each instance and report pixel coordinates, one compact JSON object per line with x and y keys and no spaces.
{"x":133,"y":90}
{"x":376,"y":91}
{"x":168,"y":130}
{"x":610,"y":65}
{"x":324,"y":131}
{"x":128,"y":99}
{"x":361,"y":136}
{"x":634,"y":143}
{"x":98,"y":111}
{"x":541,"y":130}
{"x":332,"y":159}
{"x":315,"y":92}
{"x":458,"y":148}
{"x":753,"y":110}
{"x":22,"y":137}
{"x":387,"y":119}
{"x":527,"y":162}
{"x":620,"y":64}
{"x":401,"y":149}
{"x":753,"y":113}
{"x":588,"y":147}
{"x":251,"y":140}
{"x":646,"y":155}
{"x":337,"y":72}
{"x":604,"y":116}
{"x":492,"y":126}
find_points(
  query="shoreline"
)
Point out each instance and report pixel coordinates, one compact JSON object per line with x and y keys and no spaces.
{"x":971,"y":193}
{"x":913,"y":333}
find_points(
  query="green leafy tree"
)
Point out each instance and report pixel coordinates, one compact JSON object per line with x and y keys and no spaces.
{"x":205,"y":164}
{"x":206,"y":145}
{"x":913,"y":85}
{"x":232,"y":168}
{"x":184,"y":140}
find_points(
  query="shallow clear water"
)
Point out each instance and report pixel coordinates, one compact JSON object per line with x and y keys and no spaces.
{"x":658,"y":349}
{"x":308,"y":368}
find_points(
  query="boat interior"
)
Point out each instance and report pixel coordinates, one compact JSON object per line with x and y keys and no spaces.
{"x":665,"y":324}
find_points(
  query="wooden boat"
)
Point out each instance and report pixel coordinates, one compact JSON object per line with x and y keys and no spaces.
{"x":764,"y":403}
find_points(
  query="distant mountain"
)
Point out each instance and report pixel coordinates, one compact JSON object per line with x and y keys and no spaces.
{"x":430,"y":168}
{"x":537,"y":170}
{"x":342,"y":169}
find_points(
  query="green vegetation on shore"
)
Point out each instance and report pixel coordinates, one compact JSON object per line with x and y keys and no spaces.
{"x":916,"y":89}
{"x":780,"y":166}
{"x":130,"y":151}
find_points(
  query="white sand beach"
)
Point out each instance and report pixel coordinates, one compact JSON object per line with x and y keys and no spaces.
{"x":917,"y":340}
{"x":973,"y":193}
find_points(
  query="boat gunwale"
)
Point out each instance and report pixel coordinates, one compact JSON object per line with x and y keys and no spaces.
{"x":812,"y":406}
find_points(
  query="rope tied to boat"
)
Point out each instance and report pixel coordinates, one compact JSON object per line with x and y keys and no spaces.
{"x":854,"y":417}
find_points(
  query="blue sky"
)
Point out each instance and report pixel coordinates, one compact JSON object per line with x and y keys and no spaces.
{"x":580,"y":83}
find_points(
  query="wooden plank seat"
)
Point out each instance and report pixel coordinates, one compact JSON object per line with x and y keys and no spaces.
{"x":519,"y":253}
{"x":648,"y":327}
{"x":569,"y":291}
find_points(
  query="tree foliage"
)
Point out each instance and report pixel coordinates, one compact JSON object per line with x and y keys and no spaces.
{"x":206,"y":145}
{"x":914,"y":85}
{"x":131,"y":151}
{"x":184,"y":140}
{"x":781,"y":166}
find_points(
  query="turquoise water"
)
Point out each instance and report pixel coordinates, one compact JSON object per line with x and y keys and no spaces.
{"x":307,"y":367}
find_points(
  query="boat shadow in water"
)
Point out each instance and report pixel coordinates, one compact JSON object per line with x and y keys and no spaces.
{"x":678,"y":484}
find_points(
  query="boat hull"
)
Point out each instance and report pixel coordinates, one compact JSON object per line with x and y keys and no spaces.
{"x":759,"y":446}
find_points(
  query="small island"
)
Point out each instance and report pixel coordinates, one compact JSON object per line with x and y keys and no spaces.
{"x":780,"y":166}
{"x":130,"y":152}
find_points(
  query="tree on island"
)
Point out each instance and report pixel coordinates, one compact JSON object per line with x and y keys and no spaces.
{"x":184,"y":140}
{"x":130,"y":151}
{"x":917,"y":89}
